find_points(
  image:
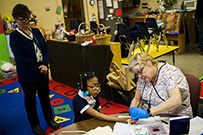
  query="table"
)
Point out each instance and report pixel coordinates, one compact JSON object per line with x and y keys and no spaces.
{"x":153,"y":52}
{"x":69,"y":59}
{"x":93,"y":123}
{"x":86,"y":125}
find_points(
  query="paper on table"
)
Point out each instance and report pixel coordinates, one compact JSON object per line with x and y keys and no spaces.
{"x":196,"y":125}
{"x":126,"y":129}
{"x":101,"y":131}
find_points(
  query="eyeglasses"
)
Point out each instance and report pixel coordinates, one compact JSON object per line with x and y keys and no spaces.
{"x":95,"y":87}
{"x":24,"y":19}
{"x":140,"y":72}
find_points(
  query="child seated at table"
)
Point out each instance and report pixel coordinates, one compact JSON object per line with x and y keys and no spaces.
{"x":86,"y":103}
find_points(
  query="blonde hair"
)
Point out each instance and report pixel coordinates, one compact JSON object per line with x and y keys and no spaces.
{"x":141,"y":59}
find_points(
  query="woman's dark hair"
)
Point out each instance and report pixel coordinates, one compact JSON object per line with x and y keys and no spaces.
{"x":83,"y":78}
{"x":20,"y":10}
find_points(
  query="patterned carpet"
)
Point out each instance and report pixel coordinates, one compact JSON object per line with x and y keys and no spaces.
{"x":13,"y":116}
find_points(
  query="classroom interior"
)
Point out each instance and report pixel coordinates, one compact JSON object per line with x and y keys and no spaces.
{"x":107,"y":57}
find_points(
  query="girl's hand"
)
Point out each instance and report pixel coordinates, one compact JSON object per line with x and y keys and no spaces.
{"x":43,"y":69}
{"x":133,"y":121}
{"x":126,"y":119}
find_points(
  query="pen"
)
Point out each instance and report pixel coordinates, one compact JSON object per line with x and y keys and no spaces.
{"x":164,"y":121}
{"x":129,"y":121}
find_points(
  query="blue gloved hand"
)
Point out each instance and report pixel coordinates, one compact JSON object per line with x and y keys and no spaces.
{"x":138,"y":113}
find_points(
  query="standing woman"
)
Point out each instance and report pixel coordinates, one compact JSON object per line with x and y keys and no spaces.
{"x":161,"y":89}
{"x":31,"y":56}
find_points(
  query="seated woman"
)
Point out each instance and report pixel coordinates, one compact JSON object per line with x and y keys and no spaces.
{"x":86,"y":104}
{"x":161,"y":89}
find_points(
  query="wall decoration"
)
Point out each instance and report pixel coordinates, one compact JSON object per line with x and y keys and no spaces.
{"x":108,"y":3}
{"x":94,"y":17}
{"x":167,"y":3}
{"x":109,"y":15}
{"x":144,"y":5}
{"x":115,"y":4}
{"x":92,"y":2}
{"x":101,"y":9}
{"x":111,"y":10}
{"x":118,"y":12}
{"x":58,"y":10}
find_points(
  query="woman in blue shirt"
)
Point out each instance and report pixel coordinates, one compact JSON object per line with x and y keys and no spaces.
{"x":31,"y":57}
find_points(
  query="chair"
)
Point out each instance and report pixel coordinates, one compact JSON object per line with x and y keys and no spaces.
{"x":123,"y":30}
{"x":157,"y":31}
{"x":148,"y":36}
{"x":75,"y":23}
{"x":125,"y":38}
{"x":151,"y":23}
{"x":136,"y":32}
{"x":194,"y":87}
{"x":93,"y":27}
{"x":144,"y":30}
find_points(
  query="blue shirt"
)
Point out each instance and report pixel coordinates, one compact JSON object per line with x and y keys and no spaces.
{"x":25,"y":56}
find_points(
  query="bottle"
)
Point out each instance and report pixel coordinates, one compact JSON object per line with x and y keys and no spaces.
{"x":8,"y":25}
{"x":182,"y":6}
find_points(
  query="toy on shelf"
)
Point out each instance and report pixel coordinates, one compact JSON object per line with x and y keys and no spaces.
{"x":60,"y":31}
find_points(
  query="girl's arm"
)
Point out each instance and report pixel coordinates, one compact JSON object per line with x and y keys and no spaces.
{"x":100,"y":110}
{"x":172,"y":102}
{"x":105,"y":117}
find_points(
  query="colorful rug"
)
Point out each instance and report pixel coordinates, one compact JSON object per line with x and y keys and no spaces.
{"x":201,"y":93}
{"x":13,"y":119}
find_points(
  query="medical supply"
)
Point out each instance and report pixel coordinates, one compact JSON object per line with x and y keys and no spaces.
{"x":156,"y":129}
{"x":140,"y":130}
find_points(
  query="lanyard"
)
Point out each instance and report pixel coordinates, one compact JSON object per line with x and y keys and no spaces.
{"x":32,"y":37}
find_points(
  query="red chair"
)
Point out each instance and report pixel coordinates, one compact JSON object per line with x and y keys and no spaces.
{"x":195,"y":87}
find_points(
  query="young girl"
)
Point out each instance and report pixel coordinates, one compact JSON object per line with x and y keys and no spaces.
{"x":86,"y":104}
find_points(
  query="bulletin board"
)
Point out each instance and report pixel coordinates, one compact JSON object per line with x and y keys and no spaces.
{"x":112,"y":14}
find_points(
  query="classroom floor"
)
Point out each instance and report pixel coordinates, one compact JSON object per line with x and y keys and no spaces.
{"x":189,"y":62}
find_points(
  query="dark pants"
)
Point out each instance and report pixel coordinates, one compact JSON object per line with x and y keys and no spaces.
{"x":199,"y":22}
{"x":42,"y":88}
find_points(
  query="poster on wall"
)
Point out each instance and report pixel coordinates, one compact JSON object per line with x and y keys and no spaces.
{"x":92,"y":2}
{"x":115,"y":4}
{"x":111,"y":10}
{"x":118,"y":12}
{"x":101,"y":9}
{"x":108,"y":3}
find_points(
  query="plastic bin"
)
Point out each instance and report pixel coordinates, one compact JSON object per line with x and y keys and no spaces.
{"x":8,"y":75}
{"x":70,"y":37}
{"x":122,"y":96}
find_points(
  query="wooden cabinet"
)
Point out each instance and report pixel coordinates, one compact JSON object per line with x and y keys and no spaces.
{"x":134,"y":19}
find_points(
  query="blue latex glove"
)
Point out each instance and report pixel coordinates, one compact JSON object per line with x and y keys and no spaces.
{"x":138,"y":113}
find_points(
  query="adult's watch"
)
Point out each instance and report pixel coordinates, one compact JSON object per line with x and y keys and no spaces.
{"x":149,"y":112}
